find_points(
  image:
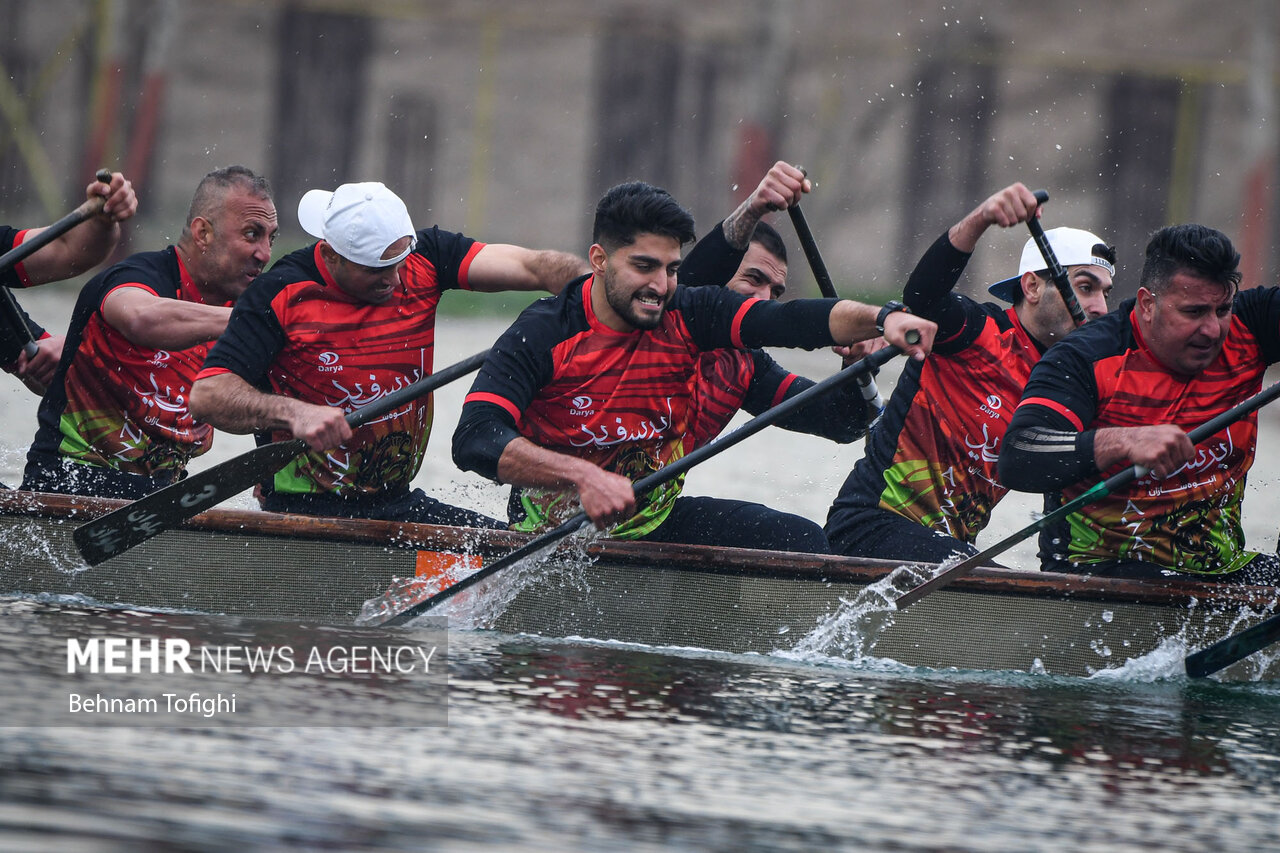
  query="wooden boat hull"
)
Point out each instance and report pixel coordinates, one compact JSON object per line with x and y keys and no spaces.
{"x":322,"y":570}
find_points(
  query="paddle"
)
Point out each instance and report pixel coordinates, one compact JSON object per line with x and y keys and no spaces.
{"x":651,"y":482}
{"x":866,"y":382}
{"x":16,"y":255}
{"x":1098,"y":492}
{"x":122,"y":529}
{"x":1227,"y":651}
{"x":1056,"y":272}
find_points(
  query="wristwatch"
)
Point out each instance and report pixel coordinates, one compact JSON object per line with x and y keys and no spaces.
{"x":890,"y":307}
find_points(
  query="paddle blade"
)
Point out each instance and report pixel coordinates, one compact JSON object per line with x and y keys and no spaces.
{"x":1239,"y":646}
{"x":118,"y":531}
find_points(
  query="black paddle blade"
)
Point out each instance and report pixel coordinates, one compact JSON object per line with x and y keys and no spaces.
{"x":118,"y":531}
{"x":1239,"y":646}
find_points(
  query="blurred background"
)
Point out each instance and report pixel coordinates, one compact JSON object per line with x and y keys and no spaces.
{"x":507,"y":120}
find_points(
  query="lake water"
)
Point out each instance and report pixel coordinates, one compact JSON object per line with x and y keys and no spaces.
{"x":583,"y":744}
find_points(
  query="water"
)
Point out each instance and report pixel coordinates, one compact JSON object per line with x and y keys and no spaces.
{"x":582,"y":744}
{"x":555,"y":745}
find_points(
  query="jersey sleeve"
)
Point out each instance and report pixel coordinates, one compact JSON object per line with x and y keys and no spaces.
{"x":14,"y":331}
{"x":929,"y":293}
{"x":253,"y":336}
{"x":517,"y":366}
{"x":451,"y":255}
{"x":841,"y":416}
{"x":712,"y":261}
{"x":1048,"y":444}
{"x":1259,"y":309}
{"x":11,"y":277}
{"x":720,"y":318}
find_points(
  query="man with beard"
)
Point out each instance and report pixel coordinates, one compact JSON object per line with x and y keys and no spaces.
{"x":926,"y":485}
{"x":590,"y":391}
{"x":336,"y":326}
{"x":1124,"y":390}
{"x":114,"y":421}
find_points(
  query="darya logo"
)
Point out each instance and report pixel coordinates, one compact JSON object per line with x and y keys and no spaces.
{"x":329,"y":362}
{"x":581,"y":406}
{"x":160,"y":359}
{"x":992,"y":407}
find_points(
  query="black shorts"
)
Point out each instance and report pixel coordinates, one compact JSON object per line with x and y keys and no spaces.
{"x":884,"y":535}
{"x":738,"y":524}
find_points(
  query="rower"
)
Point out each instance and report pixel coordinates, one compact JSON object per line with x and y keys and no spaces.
{"x":590,"y":391}
{"x":927,"y":483}
{"x":337,"y":325}
{"x":1124,"y":392}
{"x":114,"y":422}
{"x":77,"y":251}
{"x":729,"y":380}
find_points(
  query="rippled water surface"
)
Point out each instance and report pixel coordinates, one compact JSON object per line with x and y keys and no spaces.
{"x":557,"y":744}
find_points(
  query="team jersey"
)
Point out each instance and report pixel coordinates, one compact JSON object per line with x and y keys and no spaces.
{"x":116,"y":404}
{"x":1104,"y":375}
{"x":729,"y":380}
{"x":294,"y":332}
{"x":567,"y":382}
{"x":932,"y":456}
{"x":13,"y":335}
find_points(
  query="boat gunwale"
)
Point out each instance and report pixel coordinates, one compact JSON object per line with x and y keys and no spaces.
{"x":743,"y":562}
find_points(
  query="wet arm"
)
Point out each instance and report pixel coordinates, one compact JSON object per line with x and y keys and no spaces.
{"x":158,"y":323}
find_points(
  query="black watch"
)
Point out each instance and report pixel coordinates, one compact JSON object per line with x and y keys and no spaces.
{"x":889,"y":307}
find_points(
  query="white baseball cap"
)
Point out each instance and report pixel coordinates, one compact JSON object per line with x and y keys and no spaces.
{"x":1072,"y":247}
{"x":360,"y":221}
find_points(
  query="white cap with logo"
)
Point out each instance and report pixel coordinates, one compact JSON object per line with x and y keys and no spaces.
{"x":1072,"y":246}
{"x":360,"y":221}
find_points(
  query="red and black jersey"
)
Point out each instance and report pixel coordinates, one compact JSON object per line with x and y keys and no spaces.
{"x":113,"y":403}
{"x":1103,"y":375}
{"x":294,"y":332}
{"x":932,"y":456}
{"x":564,"y":380}
{"x":13,"y":335}
{"x":729,"y":380}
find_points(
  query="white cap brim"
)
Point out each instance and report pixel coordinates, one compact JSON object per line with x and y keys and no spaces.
{"x":311,"y":211}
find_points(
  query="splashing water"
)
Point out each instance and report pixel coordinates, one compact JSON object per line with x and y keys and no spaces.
{"x":479,"y":607}
{"x":851,"y":631}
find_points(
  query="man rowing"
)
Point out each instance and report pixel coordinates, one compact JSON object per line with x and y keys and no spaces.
{"x":1124,"y":391}
{"x":590,"y":391}
{"x":927,"y":483}
{"x":336,"y":326}
{"x":71,"y":254}
{"x":751,"y":253}
{"x":114,"y":421}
